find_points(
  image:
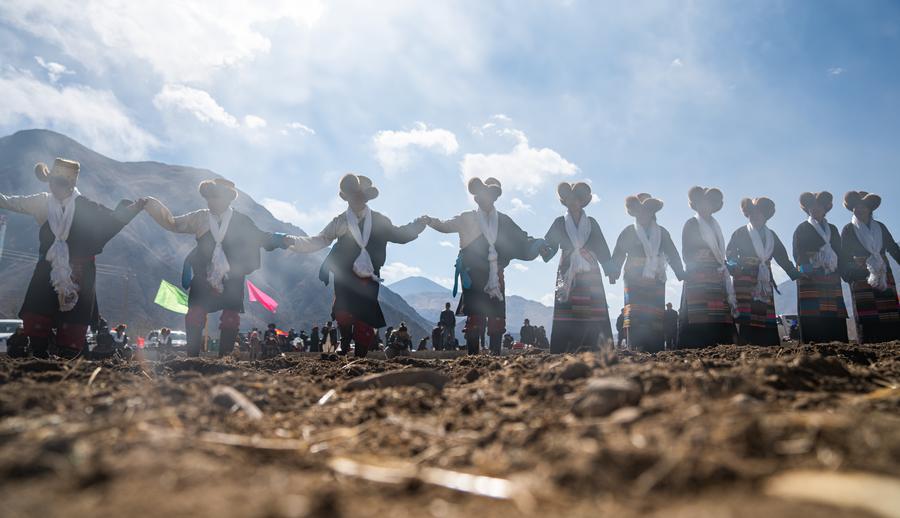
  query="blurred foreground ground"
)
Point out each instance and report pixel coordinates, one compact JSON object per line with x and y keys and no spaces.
{"x":729,"y":431}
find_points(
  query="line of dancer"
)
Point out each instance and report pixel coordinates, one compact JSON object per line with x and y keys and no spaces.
{"x":728,"y":286}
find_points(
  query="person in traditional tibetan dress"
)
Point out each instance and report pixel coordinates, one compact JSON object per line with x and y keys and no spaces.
{"x":580,"y":313}
{"x":72,"y":231}
{"x":707,"y":300}
{"x":644,"y":249}
{"x":865,"y":244}
{"x":488,"y":241}
{"x":355,"y":261}
{"x":750,"y":253}
{"x":227,"y":250}
{"x":817,"y":253}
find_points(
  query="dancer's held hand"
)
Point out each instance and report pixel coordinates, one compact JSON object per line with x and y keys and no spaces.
{"x":141,"y":203}
{"x":289,"y":241}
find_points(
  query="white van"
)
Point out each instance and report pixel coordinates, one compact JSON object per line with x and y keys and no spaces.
{"x":7,"y":328}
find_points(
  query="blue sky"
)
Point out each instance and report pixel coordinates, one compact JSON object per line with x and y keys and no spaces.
{"x":758,"y":98}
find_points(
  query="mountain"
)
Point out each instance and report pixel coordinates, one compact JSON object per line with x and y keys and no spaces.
{"x":428,"y":299}
{"x":135,"y":261}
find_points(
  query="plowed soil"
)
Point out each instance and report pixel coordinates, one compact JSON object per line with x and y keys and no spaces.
{"x":686,"y":433}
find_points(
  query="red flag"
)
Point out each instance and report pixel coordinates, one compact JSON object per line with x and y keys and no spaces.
{"x":257,"y":295}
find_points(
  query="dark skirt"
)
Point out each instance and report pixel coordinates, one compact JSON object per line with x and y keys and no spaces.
{"x":202,"y":294}
{"x":756,"y":320}
{"x":474,"y":302}
{"x":358,"y":297}
{"x":877,"y":312}
{"x":821,"y":308}
{"x":644,"y":308}
{"x":582,"y":323}
{"x":705,"y":318}
{"x":41,"y":299}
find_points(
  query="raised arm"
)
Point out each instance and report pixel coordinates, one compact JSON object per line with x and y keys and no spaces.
{"x":309,"y":244}
{"x":189,"y":223}
{"x":34,"y":205}
{"x":407,"y":232}
{"x":450,"y":226}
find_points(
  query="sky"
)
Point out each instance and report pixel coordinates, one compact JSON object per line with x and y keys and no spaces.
{"x":764,"y":98}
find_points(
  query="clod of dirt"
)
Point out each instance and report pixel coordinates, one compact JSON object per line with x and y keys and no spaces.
{"x":604,"y":395}
{"x":574,"y":371}
{"x":399,"y":378}
{"x":472,"y":375}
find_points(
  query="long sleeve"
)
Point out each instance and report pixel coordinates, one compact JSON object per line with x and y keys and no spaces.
{"x":799,"y":252}
{"x":517,"y":242}
{"x":552,"y":239}
{"x":598,"y":243}
{"x":671,"y":251}
{"x":113,"y":221}
{"x":34,"y":205}
{"x":781,"y":257}
{"x":406,"y":233}
{"x":613,"y":267}
{"x":190,"y":223}
{"x":309,"y":244}
{"x":890,"y":246}
{"x":449,"y":226}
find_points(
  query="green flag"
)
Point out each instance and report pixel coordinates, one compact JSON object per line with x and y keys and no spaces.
{"x":172,"y":298}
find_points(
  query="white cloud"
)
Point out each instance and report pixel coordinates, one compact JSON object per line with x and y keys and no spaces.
{"x":95,"y":117}
{"x":447,"y":244}
{"x":595,"y":198}
{"x":54,"y":70}
{"x":196,"y":102}
{"x":297,"y":126}
{"x":548,"y":299}
{"x":518,"y":206}
{"x":519,"y":267}
{"x":523,"y":169}
{"x":836,"y":71}
{"x":393,"y":272}
{"x":254,"y":122}
{"x":312,"y":220}
{"x":677,"y":63}
{"x":501,"y":117}
{"x":183,"y":40}
{"x":392,"y":148}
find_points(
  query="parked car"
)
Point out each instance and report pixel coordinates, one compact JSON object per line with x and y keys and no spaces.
{"x":7,"y":328}
{"x":178,"y":339}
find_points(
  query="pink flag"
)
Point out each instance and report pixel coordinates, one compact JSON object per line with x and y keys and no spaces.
{"x":257,"y":295}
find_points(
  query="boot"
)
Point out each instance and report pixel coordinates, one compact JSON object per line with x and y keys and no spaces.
{"x":473,"y":343}
{"x":40,"y":347}
{"x":495,"y":344}
{"x":346,"y":336}
{"x":194,"y":341}
{"x":227,"y":338}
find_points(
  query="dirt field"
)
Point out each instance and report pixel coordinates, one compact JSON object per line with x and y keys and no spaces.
{"x":677,"y":434}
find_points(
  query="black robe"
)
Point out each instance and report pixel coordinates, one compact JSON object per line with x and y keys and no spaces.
{"x":512,"y":243}
{"x":705,"y":318}
{"x":353,"y":295}
{"x":877,"y":312}
{"x":583,"y":325}
{"x":756,"y":320}
{"x":820,"y":298}
{"x":241,"y":246}
{"x":644,"y":298}
{"x":93,"y":225}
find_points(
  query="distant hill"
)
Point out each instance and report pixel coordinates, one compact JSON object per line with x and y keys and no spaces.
{"x":143,"y":253}
{"x":428,"y":299}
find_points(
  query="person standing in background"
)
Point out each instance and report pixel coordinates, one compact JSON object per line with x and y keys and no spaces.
{"x":670,"y":325}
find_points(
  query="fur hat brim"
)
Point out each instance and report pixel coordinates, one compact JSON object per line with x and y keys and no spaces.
{"x":579,"y":191}
{"x":642,"y":203}
{"x":216,"y":187}
{"x":352,"y":185}
{"x":761,"y":205}
{"x":710,"y":195}
{"x":822,"y":199}
{"x":62,"y":168}
{"x":854,"y":198}
{"x":491,"y":187}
